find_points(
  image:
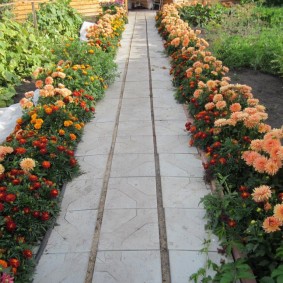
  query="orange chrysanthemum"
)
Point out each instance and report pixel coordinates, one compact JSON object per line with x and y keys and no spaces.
{"x":271,"y":224}
{"x":235,"y":107}
{"x":250,"y":156}
{"x":278,"y":211}
{"x":271,"y":167}
{"x":261,"y":193}
{"x":260,"y":163}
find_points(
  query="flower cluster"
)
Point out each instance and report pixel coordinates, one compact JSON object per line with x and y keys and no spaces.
{"x":241,"y":151}
{"x":38,"y":157}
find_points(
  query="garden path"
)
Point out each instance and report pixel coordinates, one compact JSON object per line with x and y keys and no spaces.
{"x":133,"y":216}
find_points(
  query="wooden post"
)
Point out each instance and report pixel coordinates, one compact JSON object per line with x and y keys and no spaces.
{"x":34,"y":16}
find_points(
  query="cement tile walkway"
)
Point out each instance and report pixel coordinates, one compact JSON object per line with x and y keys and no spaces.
{"x":133,"y":216}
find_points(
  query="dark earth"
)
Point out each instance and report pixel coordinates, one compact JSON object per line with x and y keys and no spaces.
{"x":267,"y":88}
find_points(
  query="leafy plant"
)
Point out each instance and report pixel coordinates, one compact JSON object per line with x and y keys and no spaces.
{"x":57,"y":19}
{"x":20,"y":51}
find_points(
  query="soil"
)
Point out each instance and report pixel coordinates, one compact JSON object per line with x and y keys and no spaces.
{"x":267,"y":88}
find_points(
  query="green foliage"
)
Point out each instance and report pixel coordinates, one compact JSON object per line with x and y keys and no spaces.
{"x":249,"y":36}
{"x":20,"y":51}
{"x":57,"y":19}
{"x":199,"y":15}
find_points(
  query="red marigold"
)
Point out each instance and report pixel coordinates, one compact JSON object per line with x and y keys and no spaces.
{"x":46,"y":164}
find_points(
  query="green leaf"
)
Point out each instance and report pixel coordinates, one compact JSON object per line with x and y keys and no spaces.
{"x":266,"y":280}
{"x":227,"y":278}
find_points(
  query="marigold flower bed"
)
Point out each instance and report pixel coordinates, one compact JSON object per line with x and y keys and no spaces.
{"x":38,"y":157}
{"x":243,"y":153}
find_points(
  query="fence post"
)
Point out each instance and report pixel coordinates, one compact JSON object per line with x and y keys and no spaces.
{"x":34,"y":16}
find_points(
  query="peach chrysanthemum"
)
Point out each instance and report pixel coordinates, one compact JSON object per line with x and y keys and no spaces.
{"x":280,"y":152}
{"x":271,"y":167}
{"x":269,"y":144}
{"x":260,"y":163}
{"x":198,"y":70}
{"x":2,"y":169}
{"x":250,"y":156}
{"x":27,"y":164}
{"x":220,"y":104}
{"x":260,"y":108}
{"x":278,"y":211}
{"x":271,"y":224}
{"x":29,"y":94}
{"x":256,"y":145}
{"x":217,"y":97}
{"x":231,"y":122}
{"x":252,"y":101}
{"x":49,"y":81}
{"x":211,"y":84}
{"x":263,"y":128}
{"x":60,"y":103}
{"x":175,"y":42}
{"x":201,"y":84}
{"x":209,"y":106}
{"x":197,"y":93}
{"x":235,"y":107}
{"x":39,"y":84}
{"x":261,"y":193}
{"x":220,"y":122}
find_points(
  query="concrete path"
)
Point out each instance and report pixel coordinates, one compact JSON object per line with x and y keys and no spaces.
{"x":134,"y":215}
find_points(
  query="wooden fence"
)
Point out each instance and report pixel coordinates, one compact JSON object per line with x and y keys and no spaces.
{"x":21,"y":9}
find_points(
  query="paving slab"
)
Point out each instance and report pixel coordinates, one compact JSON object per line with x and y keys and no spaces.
{"x":185,"y":263}
{"x":93,"y":145}
{"x":96,"y":129}
{"x":136,"y":90}
{"x":62,"y":267}
{"x":170,"y":127}
{"x":169,"y":113}
{"x":135,"y":128}
{"x":181,"y":165}
{"x":174,"y":144}
{"x":128,"y":266}
{"x":134,"y":144}
{"x":183,"y":192}
{"x":92,"y":165}
{"x":82,"y":193}
{"x":135,"y":109}
{"x":72,"y":232}
{"x":134,"y":192}
{"x":185,"y":230}
{"x":129,"y":229}
{"x":133,"y":165}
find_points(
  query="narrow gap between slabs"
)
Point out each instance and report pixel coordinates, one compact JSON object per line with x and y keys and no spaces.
{"x":95,"y":240}
{"x":164,"y":253}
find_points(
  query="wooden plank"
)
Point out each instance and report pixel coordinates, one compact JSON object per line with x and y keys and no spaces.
{"x":21,"y":8}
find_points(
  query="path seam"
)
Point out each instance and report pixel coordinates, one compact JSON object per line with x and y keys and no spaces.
{"x":164,"y":252}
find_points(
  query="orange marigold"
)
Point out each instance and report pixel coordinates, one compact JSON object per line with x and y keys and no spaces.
{"x":73,"y":137}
